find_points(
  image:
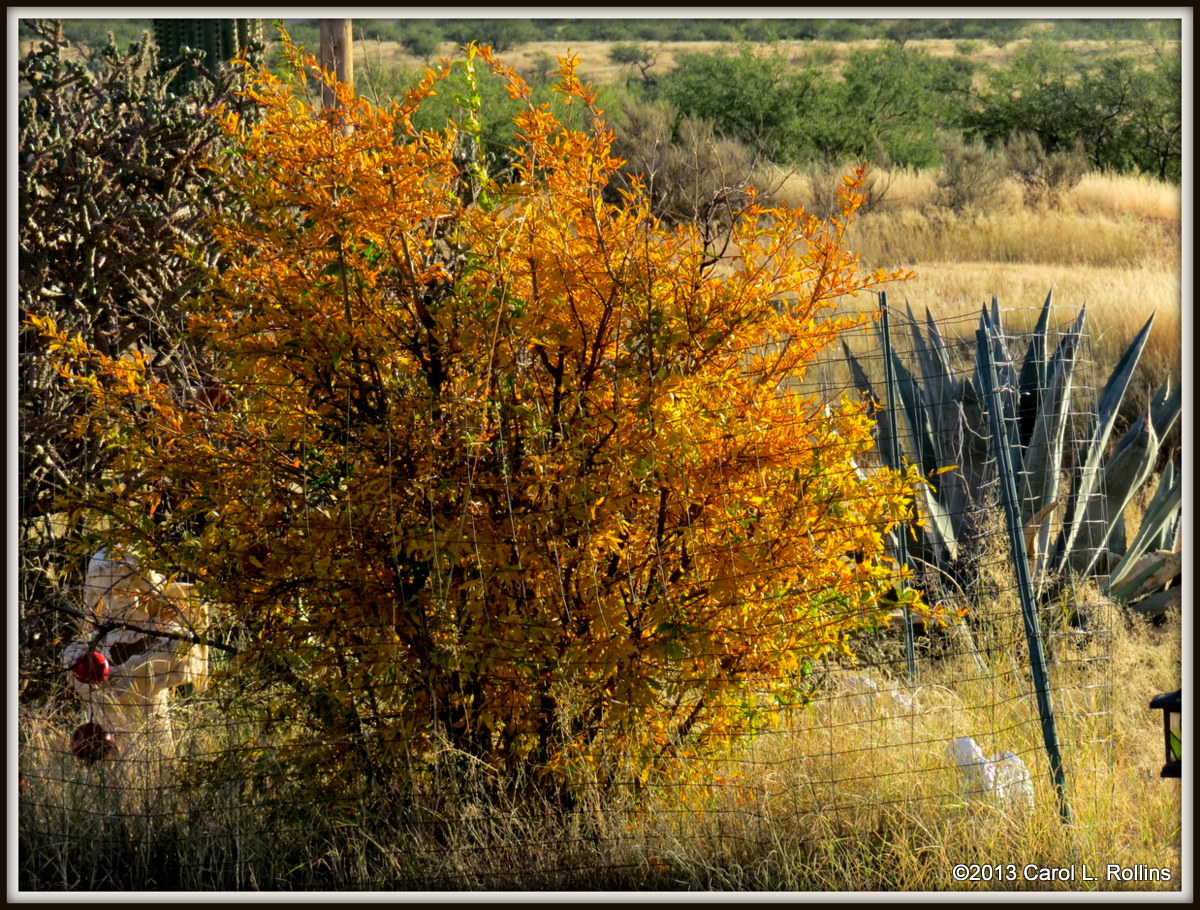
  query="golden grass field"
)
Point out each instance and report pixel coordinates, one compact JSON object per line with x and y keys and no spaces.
{"x":1112,"y":245}
{"x":596,"y":67}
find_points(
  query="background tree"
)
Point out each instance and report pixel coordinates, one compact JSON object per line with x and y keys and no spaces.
{"x":889,"y":99}
{"x":499,"y":34}
{"x":421,"y":38}
{"x":897,"y":100}
{"x":635,"y":54}
{"x":1126,"y":113}
{"x":758,"y":99}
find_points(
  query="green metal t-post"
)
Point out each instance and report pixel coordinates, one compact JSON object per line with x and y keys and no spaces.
{"x":910,"y":654}
{"x":1012,"y":510}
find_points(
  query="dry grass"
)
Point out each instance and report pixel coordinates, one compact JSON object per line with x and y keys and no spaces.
{"x":854,"y":797}
{"x":1113,"y":245}
{"x":1125,"y":195}
{"x":843,"y":797}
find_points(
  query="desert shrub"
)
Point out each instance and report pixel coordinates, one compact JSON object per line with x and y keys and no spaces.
{"x":891,"y":99}
{"x":688,"y":172}
{"x":824,"y":179}
{"x":506,"y":474}
{"x":1046,"y":177}
{"x":755,"y":99}
{"x":419,"y":37}
{"x":636,"y":54}
{"x":971,"y":177}
{"x":541,"y":69}
{"x":499,"y":34}
{"x":897,"y":100}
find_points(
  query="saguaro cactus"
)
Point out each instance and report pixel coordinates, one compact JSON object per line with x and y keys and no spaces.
{"x":220,"y":40}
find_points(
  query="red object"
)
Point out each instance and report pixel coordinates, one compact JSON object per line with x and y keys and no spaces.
{"x":213,"y":394}
{"x":92,"y":669}
{"x":255,"y":558}
{"x":91,"y":742}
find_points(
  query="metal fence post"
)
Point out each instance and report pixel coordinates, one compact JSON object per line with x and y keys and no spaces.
{"x":1012,"y":511}
{"x":910,"y":655}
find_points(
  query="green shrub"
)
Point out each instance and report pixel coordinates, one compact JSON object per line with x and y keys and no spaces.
{"x":421,"y":38}
{"x":1125,"y":111}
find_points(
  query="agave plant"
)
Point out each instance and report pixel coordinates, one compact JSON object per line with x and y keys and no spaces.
{"x":1074,"y":491}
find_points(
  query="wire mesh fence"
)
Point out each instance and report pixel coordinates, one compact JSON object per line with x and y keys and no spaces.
{"x":235,"y":772}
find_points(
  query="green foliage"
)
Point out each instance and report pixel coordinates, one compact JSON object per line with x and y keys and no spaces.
{"x":1126,"y":113}
{"x":496,"y":110}
{"x":639,"y":56}
{"x":628,"y":52}
{"x":420,"y":37}
{"x":498,"y":34}
{"x":377,"y":29}
{"x":889,"y":99}
{"x":757,"y":99}
{"x":305,"y":33}
{"x":898,"y":99}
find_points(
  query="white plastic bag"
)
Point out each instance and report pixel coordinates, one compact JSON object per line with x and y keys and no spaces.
{"x":1003,"y":780}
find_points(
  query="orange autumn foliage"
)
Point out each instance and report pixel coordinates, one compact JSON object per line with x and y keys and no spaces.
{"x":502,"y":466}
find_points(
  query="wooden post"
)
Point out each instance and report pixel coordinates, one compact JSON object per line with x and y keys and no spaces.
{"x":337,"y":53}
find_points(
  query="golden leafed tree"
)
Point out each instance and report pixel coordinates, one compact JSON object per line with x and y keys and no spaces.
{"x":496,"y":466}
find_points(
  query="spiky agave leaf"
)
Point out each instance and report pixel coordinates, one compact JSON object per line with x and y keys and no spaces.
{"x":1043,"y":459}
{"x":1159,"y":603}
{"x":1161,"y":512}
{"x":1091,"y":459}
{"x":1033,"y":379}
{"x":1124,"y":473}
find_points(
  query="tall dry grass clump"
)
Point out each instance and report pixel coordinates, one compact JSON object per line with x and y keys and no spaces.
{"x":1116,"y":195}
